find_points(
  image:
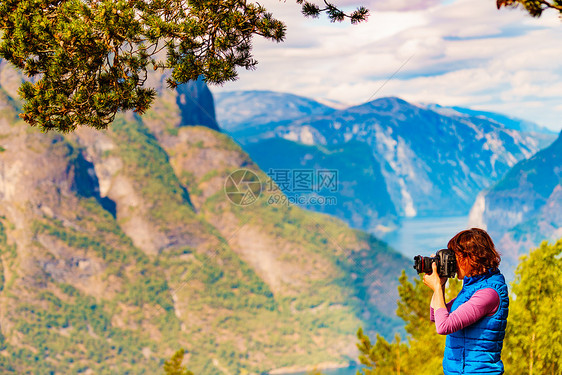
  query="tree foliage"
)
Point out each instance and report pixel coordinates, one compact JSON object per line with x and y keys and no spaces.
{"x":89,"y":59}
{"x":422,"y":353}
{"x":533,"y":7}
{"x":174,"y":366}
{"x":533,"y":343}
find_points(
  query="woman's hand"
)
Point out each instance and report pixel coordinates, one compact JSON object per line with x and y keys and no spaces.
{"x":433,"y":280}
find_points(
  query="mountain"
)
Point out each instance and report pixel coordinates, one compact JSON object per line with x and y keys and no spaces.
{"x":544,"y":136}
{"x":431,"y":162}
{"x":119,"y":247}
{"x":524,"y":207}
{"x":507,"y":121}
{"x":196,"y":104}
{"x":237,"y":110}
{"x":360,"y":197}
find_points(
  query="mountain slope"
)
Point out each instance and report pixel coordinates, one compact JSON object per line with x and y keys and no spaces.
{"x":119,"y":247}
{"x":524,"y":207}
{"x":359,"y":194}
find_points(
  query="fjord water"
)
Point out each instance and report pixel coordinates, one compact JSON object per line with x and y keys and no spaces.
{"x":425,"y":235}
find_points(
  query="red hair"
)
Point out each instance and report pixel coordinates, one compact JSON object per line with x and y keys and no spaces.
{"x":475,"y":245}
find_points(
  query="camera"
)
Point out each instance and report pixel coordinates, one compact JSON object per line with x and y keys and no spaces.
{"x":445,"y":260}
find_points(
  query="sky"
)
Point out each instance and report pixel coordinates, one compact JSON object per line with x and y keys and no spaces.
{"x":453,"y":53}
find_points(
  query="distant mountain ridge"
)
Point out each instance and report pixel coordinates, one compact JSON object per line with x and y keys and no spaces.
{"x":432,"y":162}
{"x":507,"y":121}
{"x":240,"y":109}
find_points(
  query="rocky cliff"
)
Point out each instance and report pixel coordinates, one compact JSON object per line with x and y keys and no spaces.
{"x":523,"y":208}
{"x":119,"y":247}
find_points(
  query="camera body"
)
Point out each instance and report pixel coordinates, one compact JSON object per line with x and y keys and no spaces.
{"x":445,"y":260}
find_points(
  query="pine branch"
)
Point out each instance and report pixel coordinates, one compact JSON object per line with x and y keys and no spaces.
{"x":334,"y":13}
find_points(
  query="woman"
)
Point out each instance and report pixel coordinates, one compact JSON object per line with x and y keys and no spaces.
{"x":475,"y":320}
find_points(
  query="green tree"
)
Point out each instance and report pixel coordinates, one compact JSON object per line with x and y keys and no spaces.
{"x":88,"y":59}
{"x":173,"y":366}
{"x":534,"y":7}
{"x":383,"y":357}
{"x":533,"y":342}
{"x":422,"y":353}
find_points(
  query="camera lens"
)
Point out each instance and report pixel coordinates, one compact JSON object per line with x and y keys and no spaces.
{"x":427,"y":265}
{"x":423,"y":264}
{"x":418,"y":263}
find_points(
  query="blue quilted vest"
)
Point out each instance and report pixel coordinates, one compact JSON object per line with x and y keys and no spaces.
{"x":476,"y":349}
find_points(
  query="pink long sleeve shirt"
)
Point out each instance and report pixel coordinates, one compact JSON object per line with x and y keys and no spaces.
{"x":484,"y":302}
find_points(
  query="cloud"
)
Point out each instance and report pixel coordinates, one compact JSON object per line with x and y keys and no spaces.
{"x":462,"y":53}
{"x":403,"y":5}
{"x":390,"y":5}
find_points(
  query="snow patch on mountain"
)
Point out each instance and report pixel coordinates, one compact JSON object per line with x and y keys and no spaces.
{"x":476,"y":215}
{"x":407,"y":201}
{"x":306,"y":136}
